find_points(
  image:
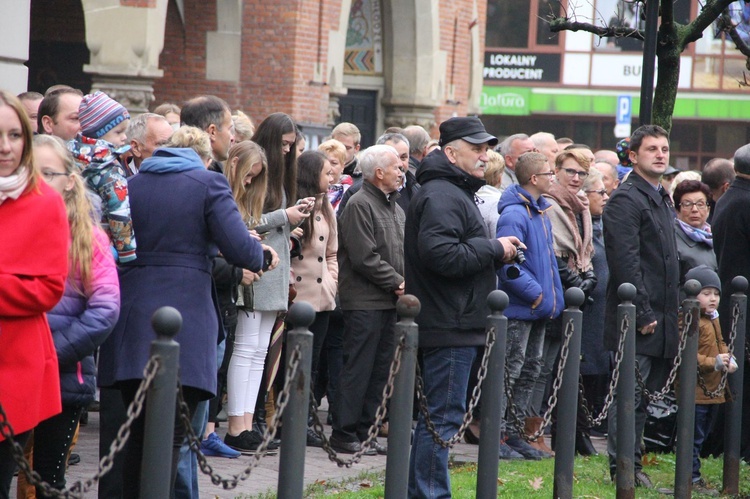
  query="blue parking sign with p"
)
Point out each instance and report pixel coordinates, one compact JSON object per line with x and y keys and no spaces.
{"x":624,"y":113}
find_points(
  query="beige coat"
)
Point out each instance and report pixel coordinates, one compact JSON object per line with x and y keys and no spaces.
{"x":316,"y":270}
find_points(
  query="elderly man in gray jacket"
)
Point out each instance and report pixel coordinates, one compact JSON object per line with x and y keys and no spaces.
{"x":371,"y":269}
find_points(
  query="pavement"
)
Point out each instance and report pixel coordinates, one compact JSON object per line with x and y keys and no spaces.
{"x":264,"y":478}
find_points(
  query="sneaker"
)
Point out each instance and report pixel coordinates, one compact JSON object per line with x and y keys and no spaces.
{"x":508,"y":454}
{"x":701,"y":487}
{"x":246,"y":442}
{"x":214,"y":447}
{"x":520,"y":445}
{"x":313,"y":439}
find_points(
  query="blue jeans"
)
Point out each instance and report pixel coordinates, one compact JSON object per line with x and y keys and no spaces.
{"x":703,"y":415}
{"x":525,"y":345}
{"x":446,"y":376}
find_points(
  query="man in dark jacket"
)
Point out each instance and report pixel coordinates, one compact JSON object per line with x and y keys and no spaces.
{"x":731,"y":231}
{"x":533,"y":287}
{"x":371,"y":270}
{"x":450,"y":267}
{"x":641,"y":249}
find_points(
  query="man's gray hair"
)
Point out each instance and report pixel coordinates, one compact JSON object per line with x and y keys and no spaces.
{"x":504,"y":146}
{"x":137,"y":128}
{"x":374,"y":157}
{"x":418,"y":139}
{"x":392,"y":137}
{"x":612,"y":168}
{"x":539,"y":137}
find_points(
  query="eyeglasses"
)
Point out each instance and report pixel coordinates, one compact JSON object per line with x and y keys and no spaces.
{"x":601,"y":192}
{"x":50,"y":176}
{"x":701,"y":205}
{"x":545,"y":173}
{"x":573,"y":173}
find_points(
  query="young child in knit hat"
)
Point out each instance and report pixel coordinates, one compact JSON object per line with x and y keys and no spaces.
{"x":96,"y":151}
{"x":713,"y":359}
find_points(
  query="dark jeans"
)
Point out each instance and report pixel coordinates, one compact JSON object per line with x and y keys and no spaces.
{"x":111,"y":416}
{"x":525,"y":343}
{"x":446,"y":377}
{"x":331,"y":361}
{"x":654,"y":371}
{"x":703,"y":414}
{"x":52,"y":439}
{"x":134,"y":454}
{"x":319,"y":329}
{"x":8,"y":463}
{"x":369,"y":340}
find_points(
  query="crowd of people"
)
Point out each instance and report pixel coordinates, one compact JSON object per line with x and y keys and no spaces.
{"x":197,"y":208}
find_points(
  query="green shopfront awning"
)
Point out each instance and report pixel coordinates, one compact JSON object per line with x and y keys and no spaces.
{"x":525,"y":101}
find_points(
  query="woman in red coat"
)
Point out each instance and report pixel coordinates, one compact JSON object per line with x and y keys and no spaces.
{"x":33,"y":269}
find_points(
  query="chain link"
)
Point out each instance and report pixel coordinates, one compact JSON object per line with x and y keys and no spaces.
{"x":380,"y":414}
{"x":268,"y":434}
{"x":596,"y":421}
{"x":105,"y":465}
{"x":657,"y":396}
{"x":475,"y":396}
{"x":723,"y":381}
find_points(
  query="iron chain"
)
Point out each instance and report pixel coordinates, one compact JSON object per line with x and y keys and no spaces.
{"x":380,"y":414}
{"x":268,"y":435}
{"x":105,"y":465}
{"x":475,"y":396}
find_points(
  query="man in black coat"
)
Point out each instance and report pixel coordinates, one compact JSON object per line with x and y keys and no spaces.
{"x":731,"y":231}
{"x":450,"y":266}
{"x":641,"y":249}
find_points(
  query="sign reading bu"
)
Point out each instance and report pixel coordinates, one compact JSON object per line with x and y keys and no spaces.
{"x":505,"y":66}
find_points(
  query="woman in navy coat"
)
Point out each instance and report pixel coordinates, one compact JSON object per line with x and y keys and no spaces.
{"x":183,"y":215}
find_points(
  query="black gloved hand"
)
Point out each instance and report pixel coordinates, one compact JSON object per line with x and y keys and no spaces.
{"x":568,"y":277}
{"x":588,"y":283}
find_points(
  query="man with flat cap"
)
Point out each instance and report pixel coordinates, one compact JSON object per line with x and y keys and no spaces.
{"x":450,"y":266}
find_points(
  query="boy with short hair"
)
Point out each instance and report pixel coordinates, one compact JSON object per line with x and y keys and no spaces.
{"x":713,"y":359}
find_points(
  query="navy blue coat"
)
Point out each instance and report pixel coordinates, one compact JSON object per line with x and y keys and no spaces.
{"x":526,"y":218}
{"x":181,"y":213}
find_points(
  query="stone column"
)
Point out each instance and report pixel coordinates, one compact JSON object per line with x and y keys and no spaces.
{"x":124,"y":64}
{"x":14,"y":45}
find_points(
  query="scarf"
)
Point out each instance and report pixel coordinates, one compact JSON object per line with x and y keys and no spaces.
{"x":698,"y":235}
{"x":569,"y":243}
{"x":14,"y":185}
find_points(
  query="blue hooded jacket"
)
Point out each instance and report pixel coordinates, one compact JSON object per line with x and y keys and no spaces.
{"x":526,"y":218}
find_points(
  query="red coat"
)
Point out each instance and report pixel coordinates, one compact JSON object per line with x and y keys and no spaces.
{"x":33,"y":269}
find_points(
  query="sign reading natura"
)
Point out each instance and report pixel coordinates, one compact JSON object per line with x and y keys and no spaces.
{"x":504,"y":66}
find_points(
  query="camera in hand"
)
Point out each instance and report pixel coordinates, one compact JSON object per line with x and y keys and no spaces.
{"x":513,"y":271}
{"x":267,"y":259}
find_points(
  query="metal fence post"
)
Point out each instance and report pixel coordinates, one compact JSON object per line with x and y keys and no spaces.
{"x":492,"y":395}
{"x":733,"y":407}
{"x":294,"y":439}
{"x":625,"y":393}
{"x":683,"y":479}
{"x":158,"y":435}
{"x":402,"y":400}
{"x":565,"y":443}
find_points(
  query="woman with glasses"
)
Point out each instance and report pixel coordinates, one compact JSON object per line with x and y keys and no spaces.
{"x":573,"y":234}
{"x":33,"y":268}
{"x":85,"y":315}
{"x":695,"y":244}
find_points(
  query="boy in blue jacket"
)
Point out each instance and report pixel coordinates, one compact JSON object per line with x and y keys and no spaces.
{"x":533,"y":287}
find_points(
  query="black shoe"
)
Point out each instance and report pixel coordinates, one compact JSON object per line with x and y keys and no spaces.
{"x":643,"y":480}
{"x":701,"y":487}
{"x":329,"y":418}
{"x":313,"y":439}
{"x":73,"y":459}
{"x":246,"y":442}
{"x":94,"y":406}
{"x":519,"y":445}
{"x":84,"y":418}
{"x":378,"y":448}
{"x":342,"y":446}
{"x":507,"y":454}
{"x":584,"y":447}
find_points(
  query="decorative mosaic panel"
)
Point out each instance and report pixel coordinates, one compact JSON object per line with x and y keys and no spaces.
{"x":364,"y":39}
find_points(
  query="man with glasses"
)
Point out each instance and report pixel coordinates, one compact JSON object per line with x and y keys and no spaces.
{"x":534,"y":290}
{"x":641,"y":249}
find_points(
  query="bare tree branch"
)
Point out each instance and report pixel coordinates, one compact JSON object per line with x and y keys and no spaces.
{"x":708,"y":14}
{"x":565,"y":24}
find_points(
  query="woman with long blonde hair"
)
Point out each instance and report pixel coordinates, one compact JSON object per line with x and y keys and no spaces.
{"x":33,"y":263}
{"x":85,"y":315}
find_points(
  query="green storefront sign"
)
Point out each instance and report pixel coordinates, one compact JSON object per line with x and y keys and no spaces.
{"x":520,"y":101}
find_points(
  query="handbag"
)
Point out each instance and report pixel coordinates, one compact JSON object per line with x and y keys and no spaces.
{"x":245,"y":297}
